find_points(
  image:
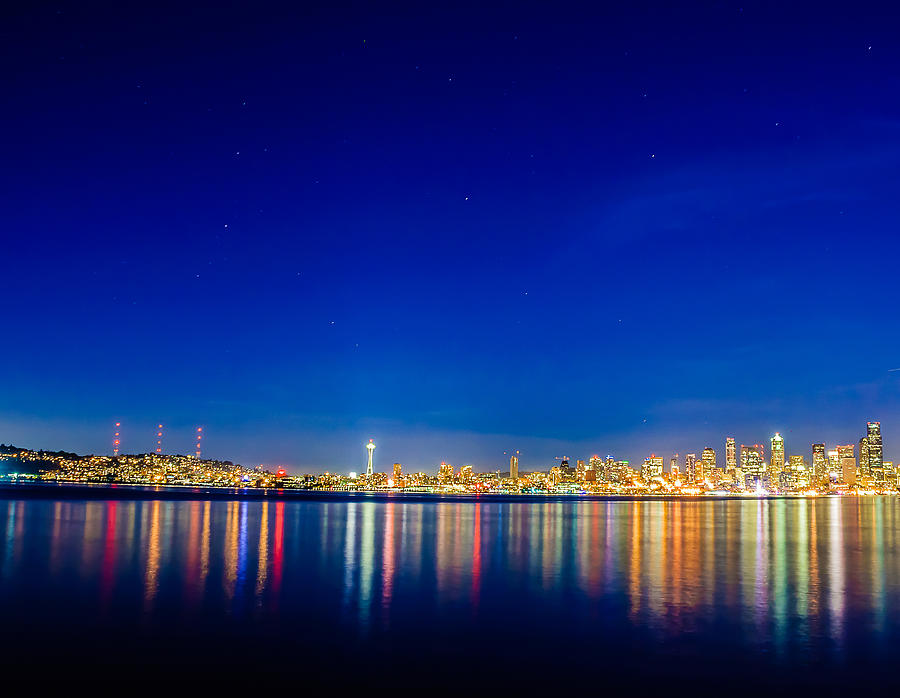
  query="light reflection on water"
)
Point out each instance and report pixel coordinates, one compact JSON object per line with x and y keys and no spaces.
{"x":783,"y":578}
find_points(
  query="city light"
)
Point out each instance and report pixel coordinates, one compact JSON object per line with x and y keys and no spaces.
{"x":746,"y":472}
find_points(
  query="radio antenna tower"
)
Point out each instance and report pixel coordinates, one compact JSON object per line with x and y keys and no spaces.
{"x":159,"y":438}
{"x":199,"y":436}
{"x":116,"y":440}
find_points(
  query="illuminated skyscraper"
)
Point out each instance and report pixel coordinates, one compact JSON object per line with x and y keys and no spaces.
{"x":465,"y":474}
{"x":445,"y":473}
{"x":876,"y":449}
{"x":673,"y":464}
{"x":652,"y":468}
{"x":730,"y":456}
{"x":819,"y":463}
{"x":864,"y":468}
{"x":690,"y":468}
{"x":847,"y":462}
{"x":611,"y":470}
{"x":708,"y":462}
{"x":776,"y":465}
{"x":595,"y":465}
{"x":753,"y":459}
{"x":514,"y":466}
{"x":834,"y":465}
{"x":398,"y":471}
{"x":370,"y":447}
{"x":796,"y":476}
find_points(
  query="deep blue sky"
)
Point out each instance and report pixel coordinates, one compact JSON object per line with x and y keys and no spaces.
{"x":459,"y":231}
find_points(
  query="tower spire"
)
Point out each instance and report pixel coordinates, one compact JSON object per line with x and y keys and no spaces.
{"x":370,"y":447}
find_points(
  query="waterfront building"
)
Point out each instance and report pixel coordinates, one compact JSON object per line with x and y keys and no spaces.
{"x":707,"y":463}
{"x":652,"y":468}
{"x":847,"y":462}
{"x":690,"y":468}
{"x":730,"y":456}
{"x":863,"y":468}
{"x":753,"y":463}
{"x":776,"y":465}
{"x":819,"y":464}
{"x":834,"y":466}
{"x":595,"y":465}
{"x":514,"y":466}
{"x":465,"y":474}
{"x":555,"y":475}
{"x":580,"y":471}
{"x":875,"y":456}
{"x":796,"y":476}
{"x":445,"y":473}
{"x":612,"y":470}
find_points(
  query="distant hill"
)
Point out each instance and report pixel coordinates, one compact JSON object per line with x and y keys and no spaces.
{"x":10,"y":449}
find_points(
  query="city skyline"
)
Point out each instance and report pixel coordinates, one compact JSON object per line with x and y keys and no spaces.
{"x":839,"y":469}
{"x":869,"y":446}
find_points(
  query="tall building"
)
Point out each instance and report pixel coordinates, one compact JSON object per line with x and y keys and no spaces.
{"x":652,"y":468}
{"x":690,"y":468}
{"x":796,"y":476}
{"x":730,"y":455}
{"x":847,"y":461}
{"x":753,"y":459}
{"x":465,"y":474}
{"x":864,"y":468}
{"x":370,"y":447}
{"x":776,"y":465}
{"x":514,"y":466}
{"x":819,"y":463}
{"x":398,"y":470}
{"x":708,"y":462}
{"x":595,"y":464}
{"x":834,"y":466}
{"x":673,"y":464}
{"x":611,"y":470}
{"x":876,"y":450}
{"x":580,"y":471}
{"x":445,"y":473}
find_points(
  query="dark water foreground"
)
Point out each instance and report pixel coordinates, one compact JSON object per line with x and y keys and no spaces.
{"x":711,"y":596}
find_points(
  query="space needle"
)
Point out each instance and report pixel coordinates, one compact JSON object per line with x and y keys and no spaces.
{"x":371,"y":449}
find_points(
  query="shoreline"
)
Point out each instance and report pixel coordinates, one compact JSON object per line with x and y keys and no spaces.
{"x":113,"y":491}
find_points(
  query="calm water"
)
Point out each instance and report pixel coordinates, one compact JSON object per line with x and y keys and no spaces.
{"x":759,"y":591}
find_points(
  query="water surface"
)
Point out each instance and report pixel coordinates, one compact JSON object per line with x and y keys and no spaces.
{"x":363,"y":587}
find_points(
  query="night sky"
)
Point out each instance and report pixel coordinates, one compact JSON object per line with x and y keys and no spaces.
{"x":458,"y":231}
